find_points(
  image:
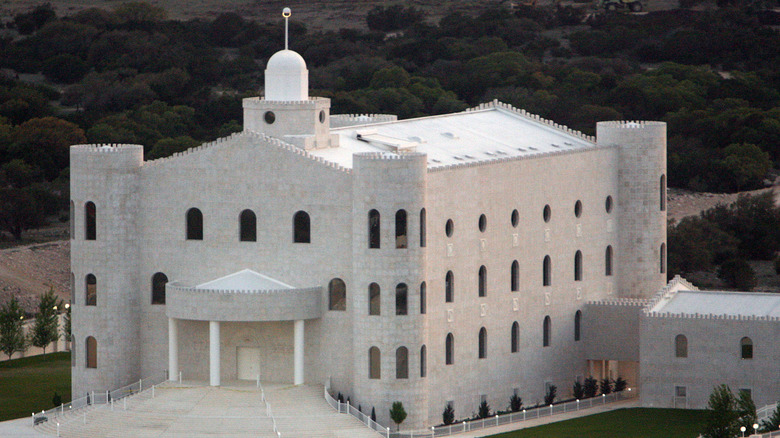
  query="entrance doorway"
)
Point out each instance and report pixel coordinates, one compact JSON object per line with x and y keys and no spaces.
{"x":247,"y":363}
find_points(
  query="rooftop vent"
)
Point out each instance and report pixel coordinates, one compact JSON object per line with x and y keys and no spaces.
{"x":501,"y":152}
{"x":450,"y":135}
{"x":568,"y":143}
{"x":533,"y":148}
{"x":521,"y":149}
{"x":489,"y":153}
{"x":417,"y":139}
{"x":371,"y":136}
{"x":555,"y":145}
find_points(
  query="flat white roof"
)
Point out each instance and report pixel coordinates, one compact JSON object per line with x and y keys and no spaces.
{"x":244,"y":280}
{"x":459,"y":138}
{"x":720,"y":303}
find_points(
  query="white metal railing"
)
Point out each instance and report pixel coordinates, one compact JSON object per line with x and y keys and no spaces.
{"x":268,"y":411}
{"x":496,"y":420}
{"x":765,"y":412}
{"x":76,"y":409}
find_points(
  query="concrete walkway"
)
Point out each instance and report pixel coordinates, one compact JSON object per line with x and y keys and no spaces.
{"x":19,"y":428}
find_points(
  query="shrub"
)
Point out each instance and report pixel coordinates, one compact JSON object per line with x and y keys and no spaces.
{"x":484,"y":409}
{"x":515,"y":403}
{"x":578,"y":390}
{"x":590,"y":387}
{"x":448,"y":416}
{"x":620,"y":384}
{"x":605,"y":386}
{"x":738,"y":274}
{"x":56,"y":400}
{"x":398,"y":414}
{"x":552,"y":392}
{"x":373,"y":414}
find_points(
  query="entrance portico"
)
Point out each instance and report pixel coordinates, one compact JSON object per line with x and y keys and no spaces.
{"x":245,"y":296}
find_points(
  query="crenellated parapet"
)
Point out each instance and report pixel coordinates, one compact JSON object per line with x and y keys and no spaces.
{"x":710,"y":316}
{"x":527,"y":156}
{"x":620,"y":302}
{"x":667,"y":292}
{"x":535,"y":117}
{"x":345,"y":120}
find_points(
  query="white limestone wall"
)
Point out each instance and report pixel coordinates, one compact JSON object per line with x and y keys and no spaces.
{"x":109,"y":177}
{"x":388,"y":184}
{"x":714,"y":358}
{"x":222,"y":180}
{"x":612,"y":330}
{"x":640,"y":166}
{"x":462,"y":194}
{"x":291,"y":120}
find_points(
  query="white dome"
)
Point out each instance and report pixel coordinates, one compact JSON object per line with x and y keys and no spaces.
{"x":286,"y":77}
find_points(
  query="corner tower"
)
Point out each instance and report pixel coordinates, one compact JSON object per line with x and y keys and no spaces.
{"x":641,"y":252}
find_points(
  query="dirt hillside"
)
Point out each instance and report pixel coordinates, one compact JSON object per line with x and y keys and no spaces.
{"x":27,"y":271}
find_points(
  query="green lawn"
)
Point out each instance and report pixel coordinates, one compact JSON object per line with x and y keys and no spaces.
{"x":28,"y":384}
{"x":621,"y":423}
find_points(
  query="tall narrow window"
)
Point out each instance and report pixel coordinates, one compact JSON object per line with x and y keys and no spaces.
{"x":337,"y":295}
{"x":482,"y":343}
{"x":72,"y":220}
{"x":422,"y":228}
{"x":680,"y":346}
{"x":423,"y":298}
{"x":608,"y":261}
{"x":746,"y":348}
{"x":91,"y":350}
{"x":547,"y":213}
{"x":662,"y":192}
{"x":515,"y":337}
{"x":90,"y":221}
{"x":158,"y":288}
{"x":401,"y":295}
{"x":449,"y":349}
{"x":578,"y":325}
{"x":515,"y":276}
{"x":515,"y":218}
{"x":374,"y":240}
{"x":578,"y":266}
{"x":547,"y":271}
{"x":400,"y":229}
{"x":662,"y":259}
{"x":91,"y":291}
{"x":546,"y":327}
{"x":247,"y":226}
{"x":482,"y":281}
{"x":72,"y":288}
{"x":301,"y":227}
{"x":449,"y":287}
{"x":423,"y":362}
{"x":374,"y":363}
{"x":482,"y":223}
{"x":374,"y":303}
{"x":402,"y":363}
{"x":194,"y":224}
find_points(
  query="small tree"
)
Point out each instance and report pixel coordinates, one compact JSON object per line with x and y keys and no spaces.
{"x":515,"y":403}
{"x":578,"y":391}
{"x":746,"y":409}
{"x":46,"y":328}
{"x":12,"y":337}
{"x":590,"y":387}
{"x":398,"y":414}
{"x":620,"y":384}
{"x":722,"y":414}
{"x":56,"y":400}
{"x":448,"y":416}
{"x":66,"y":331}
{"x":605,"y":386}
{"x":484,"y":409}
{"x":373,"y":414}
{"x":552,"y":392}
{"x":773,"y":422}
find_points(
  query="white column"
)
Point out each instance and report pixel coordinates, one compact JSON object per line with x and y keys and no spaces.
{"x":173,"y":350}
{"x":298,"y":352}
{"x":214,"y":354}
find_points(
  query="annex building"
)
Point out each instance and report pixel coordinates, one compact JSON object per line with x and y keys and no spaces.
{"x":444,"y":259}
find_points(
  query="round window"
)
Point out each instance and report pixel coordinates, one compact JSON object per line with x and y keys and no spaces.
{"x":269,"y":117}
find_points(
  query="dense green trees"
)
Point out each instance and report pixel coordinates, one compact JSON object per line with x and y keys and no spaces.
{"x":726,"y":413}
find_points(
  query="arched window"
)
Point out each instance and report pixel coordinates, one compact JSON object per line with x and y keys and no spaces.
{"x":337,"y":295}
{"x":578,"y":208}
{"x":662,"y":259}
{"x":374,"y":363}
{"x":301,"y":227}
{"x":423,"y":298}
{"x":482,"y":281}
{"x":746,"y":348}
{"x":515,"y":218}
{"x":401,"y":295}
{"x":374,"y":239}
{"x":608,"y":204}
{"x":91,"y":350}
{"x":608,"y":261}
{"x":578,"y":325}
{"x":449,"y":287}
{"x":194,"y":224}
{"x":72,"y":220}
{"x":400,"y":229}
{"x":449,"y":227}
{"x":547,"y":271}
{"x":482,"y":223}
{"x":680,"y":346}
{"x":482,"y":343}
{"x":546,"y":327}
{"x":402,"y":363}
{"x":449,"y":349}
{"x":374,"y":302}
{"x":422,"y":228}
{"x":90,"y":297}
{"x":547,"y":213}
{"x":247,"y":226}
{"x":578,"y":266}
{"x":158,"y":288}
{"x":662,"y":192}
{"x":515,"y":276}
{"x":423,"y":362}
{"x":90,"y":221}
{"x":515,"y":337}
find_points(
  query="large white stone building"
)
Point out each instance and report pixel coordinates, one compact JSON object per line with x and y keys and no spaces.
{"x":445,"y":259}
